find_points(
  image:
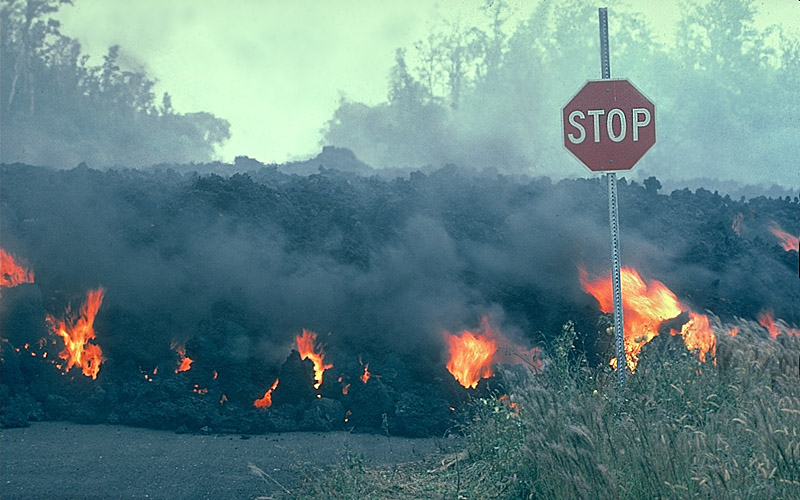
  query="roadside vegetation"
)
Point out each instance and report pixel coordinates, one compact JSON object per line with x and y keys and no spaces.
{"x":680,"y":428}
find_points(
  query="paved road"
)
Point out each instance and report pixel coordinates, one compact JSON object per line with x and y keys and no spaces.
{"x":56,"y":460}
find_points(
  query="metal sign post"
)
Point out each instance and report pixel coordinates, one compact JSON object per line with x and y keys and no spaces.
{"x":609,"y":125}
{"x":613,"y":222}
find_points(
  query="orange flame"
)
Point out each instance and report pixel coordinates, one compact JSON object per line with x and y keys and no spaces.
{"x":697,"y":334}
{"x":77,"y":332}
{"x":473,"y":354}
{"x":365,"y":376}
{"x":266,"y":401}
{"x":305,"y":345}
{"x":788,"y":241}
{"x":11,"y":273}
{"x":186,"y":361}
{"x":765,"y":318}
{"x":471,"y":357}
{"x":644,"y":307}
{"x":733,"y":331}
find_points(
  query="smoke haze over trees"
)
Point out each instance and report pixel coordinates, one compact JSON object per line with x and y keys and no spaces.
{"x":58,"y":110}
{"x":725,"y":93}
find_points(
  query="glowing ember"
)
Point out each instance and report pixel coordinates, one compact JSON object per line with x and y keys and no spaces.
{"x":365,"y":376}
{"x":765,"y":318}
{"x":186,"y":362}
{"x":788,"y":241}
{"x":733,"y":331}
{"x":306,"y":348}
{"x":266,"y":401}
{"x":645,"y":306}
{"x":472,"y":354}
{"x":77,"y":331}
{"x":346,"y":389}
{"x":12,"y":273}
{"x":199,"y":390}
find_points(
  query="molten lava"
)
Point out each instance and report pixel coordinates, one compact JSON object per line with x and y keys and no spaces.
{"x":472,"y":354}
{"x":266,"y":401}
{"x":186,"y":362}
{"x":307,"y":350}
{"x":11,"y":272}
{"x":644,"y":308}
{"x":788,"y":241}
{"x":77,"y":331}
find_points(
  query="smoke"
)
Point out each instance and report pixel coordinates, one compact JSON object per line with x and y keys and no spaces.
{"x":717,"y":97}
{"x":236,"y":267}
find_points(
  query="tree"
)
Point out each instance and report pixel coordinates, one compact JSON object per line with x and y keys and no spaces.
{"x":63,"y":111}
{"x":27,"y":35}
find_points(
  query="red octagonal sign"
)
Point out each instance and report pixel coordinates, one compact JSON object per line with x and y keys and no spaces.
{"x":609,"y":125}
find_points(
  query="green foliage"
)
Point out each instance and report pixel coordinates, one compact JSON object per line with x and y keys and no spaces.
{"x":679,"y":429}
{"x":65,"y":111}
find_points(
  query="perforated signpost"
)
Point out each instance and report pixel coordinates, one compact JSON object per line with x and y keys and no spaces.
{"x":609,"y":125}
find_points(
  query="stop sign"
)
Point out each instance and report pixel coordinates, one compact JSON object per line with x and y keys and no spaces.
{"x":609,"y":125}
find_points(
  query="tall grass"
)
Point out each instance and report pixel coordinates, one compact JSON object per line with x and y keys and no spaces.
{"x":679,"y":428}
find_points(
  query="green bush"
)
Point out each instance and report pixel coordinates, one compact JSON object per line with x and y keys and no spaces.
{"x":680,"y":428}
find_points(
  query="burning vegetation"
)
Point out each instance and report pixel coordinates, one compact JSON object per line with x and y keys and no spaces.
{"x":645,"y":306}
{"x":473,"y":354}
{"x":185,"y":362}
{"x":11,"y":272}
{"x":308,"y":350}
{"x":77,"y":330}
{"x":788,"y":241}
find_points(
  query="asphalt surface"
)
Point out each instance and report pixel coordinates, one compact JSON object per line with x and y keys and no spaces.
{"x":57,"y":460}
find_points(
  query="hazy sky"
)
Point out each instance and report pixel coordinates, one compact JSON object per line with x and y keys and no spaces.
{"x":276,"y":69}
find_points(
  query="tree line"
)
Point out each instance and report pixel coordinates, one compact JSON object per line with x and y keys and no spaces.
{"x":58,"y":109}
{"x":490,"y":96}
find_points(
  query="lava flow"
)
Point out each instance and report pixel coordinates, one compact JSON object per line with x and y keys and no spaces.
{"x":266,"y":401}
{"x":788,"y":241}
{"x":472,"y":354}
{"x":644,"y":308}
{"x":305,"y":346}
{"x":186,"y":361}
{"x":11,"y":272}
{"x":77,"y":331}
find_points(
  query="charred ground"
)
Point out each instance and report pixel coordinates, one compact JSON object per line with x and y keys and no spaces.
{"x":233,"y":267}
